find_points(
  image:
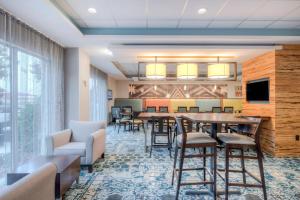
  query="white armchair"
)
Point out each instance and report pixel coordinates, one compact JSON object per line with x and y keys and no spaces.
{"x":86,"y":139}
{"x":38,"y":185}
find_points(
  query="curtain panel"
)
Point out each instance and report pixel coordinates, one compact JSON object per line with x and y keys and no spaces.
{"x":98,"y":94}
{"x":31,"y":91}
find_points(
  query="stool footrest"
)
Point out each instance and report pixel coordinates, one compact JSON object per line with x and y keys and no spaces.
{"x":199,"y":155}
{"x":197,"y":183}
{"x":244,"y":185}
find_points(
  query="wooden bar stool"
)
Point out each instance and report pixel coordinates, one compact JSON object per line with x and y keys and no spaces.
{"x":235,"y":141}
{"x":187,"y":140}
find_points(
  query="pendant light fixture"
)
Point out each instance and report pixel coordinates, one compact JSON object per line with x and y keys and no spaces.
{"x":187,"y":71}
{"x":218,"y":70}
{"x":156,"y":70}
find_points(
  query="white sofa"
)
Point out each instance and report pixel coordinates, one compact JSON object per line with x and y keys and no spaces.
{"x":36,"y":186}
{"x":84,"y":138}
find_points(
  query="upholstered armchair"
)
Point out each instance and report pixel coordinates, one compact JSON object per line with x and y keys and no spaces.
{"x":86,"y":139}
{"x":35,"y":186}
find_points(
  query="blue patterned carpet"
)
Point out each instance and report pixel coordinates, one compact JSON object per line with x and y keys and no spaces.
{"x":127,"y":173}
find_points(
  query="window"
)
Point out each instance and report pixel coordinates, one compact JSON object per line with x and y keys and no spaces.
{"x":5,"y":109}
{"x":22,"y":97}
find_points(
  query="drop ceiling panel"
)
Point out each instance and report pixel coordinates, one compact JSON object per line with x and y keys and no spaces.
{"x":224,"y":24}
{"x":275,"y":9}
{"x":237,"y":9}
{"x":193,"y":23}
{"x":166,"y":9}
{"x":162,"y":23}
{"x":131,"y":23}
{"x":255,"y":24}
{"x":285,"y":24}
{"x":294,"y":15}
{"x":213,"y":7}
{"x":129,"y":9}
{"x":81,"y":9}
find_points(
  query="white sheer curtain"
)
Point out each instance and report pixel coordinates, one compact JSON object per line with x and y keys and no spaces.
{"x":98,"y":94}
{"x":31,"y":91}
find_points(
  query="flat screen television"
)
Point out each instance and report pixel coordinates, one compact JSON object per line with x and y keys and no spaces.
{"x":258,"y":90}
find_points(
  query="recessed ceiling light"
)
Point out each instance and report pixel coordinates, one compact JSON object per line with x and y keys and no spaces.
{"x":108,"y":52}
{"x":92,"y":10}
{"x":201,"y":11}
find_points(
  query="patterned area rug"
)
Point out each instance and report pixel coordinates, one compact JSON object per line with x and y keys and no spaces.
{"x":128,"y":173}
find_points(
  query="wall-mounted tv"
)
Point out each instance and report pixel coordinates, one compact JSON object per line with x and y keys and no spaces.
{"x":258,"y":90}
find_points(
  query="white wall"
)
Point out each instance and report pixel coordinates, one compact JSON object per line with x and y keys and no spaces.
{"x":76,"y":76}
{"x":122,"y":89}
{"x":84,"y":94}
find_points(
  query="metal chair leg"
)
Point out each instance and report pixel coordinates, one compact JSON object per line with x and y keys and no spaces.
{"x":180,"y":172}
{"x":226,"y":172}
{"x":175,"y":161}
{"x":243,"y":166}
{"x":262,"y":176}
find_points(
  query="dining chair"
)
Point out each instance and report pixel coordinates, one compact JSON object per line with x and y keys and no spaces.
{"x":160,"y":128}
{"x":195,"y":140}
{"x":182,"y":109}
{"x":115,"y":110}
{"x":216,"y":109}
{"x":136,"y":123}
{"x":228,"y":109}
{"x":122,"y":120}
{"x":240,"y":142}
{"x":127,"y":111}
{"x":151,"y":109}
{"x":194,"y":109}
{"x":163,"y":109}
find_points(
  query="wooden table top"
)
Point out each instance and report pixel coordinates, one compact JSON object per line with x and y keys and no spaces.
{"x":62,"y":162}
{"x":204,"y":117}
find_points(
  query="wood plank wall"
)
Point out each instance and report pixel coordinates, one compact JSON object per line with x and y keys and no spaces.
{"x":282,"y":67}
{"x":257,"y":68}
{"x":287,"y":90}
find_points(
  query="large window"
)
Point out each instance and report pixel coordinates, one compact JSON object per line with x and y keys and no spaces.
{"x":5,"y":110}
{"x":22,"y":96}
{"x":31,"y":92}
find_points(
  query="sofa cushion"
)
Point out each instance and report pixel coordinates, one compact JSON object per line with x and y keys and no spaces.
{"x":82,"y":129}
{"x":72,"y":148}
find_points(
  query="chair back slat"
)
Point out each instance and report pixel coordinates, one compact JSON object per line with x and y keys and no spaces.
{"x":194,"y":109}
{"x":216,"y":109}
{"x":163,"y":109}
{"x":151,"y":109}
{"x":160,"y":124}
{"x":115,"y":112}
{"x":228,"y":109}
{"x":182,"y":109}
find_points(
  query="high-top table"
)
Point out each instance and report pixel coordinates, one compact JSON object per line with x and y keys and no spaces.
{"x":215,"y":119}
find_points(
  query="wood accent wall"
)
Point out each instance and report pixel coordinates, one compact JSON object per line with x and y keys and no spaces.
{"x":282,"y":67}
{"x":287,"y":91}
{"x":257,"y":68}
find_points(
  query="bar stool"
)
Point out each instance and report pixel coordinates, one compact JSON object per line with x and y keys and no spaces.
{"x":239,"y":142}
{"x":161,"y":128}
{"x":186,"y":140}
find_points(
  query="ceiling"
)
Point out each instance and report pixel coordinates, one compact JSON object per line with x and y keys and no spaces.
{"x":269,"y":14}
{"x":63,"y":20}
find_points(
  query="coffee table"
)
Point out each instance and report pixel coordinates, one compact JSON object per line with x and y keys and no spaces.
{"x":68,"y":169}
